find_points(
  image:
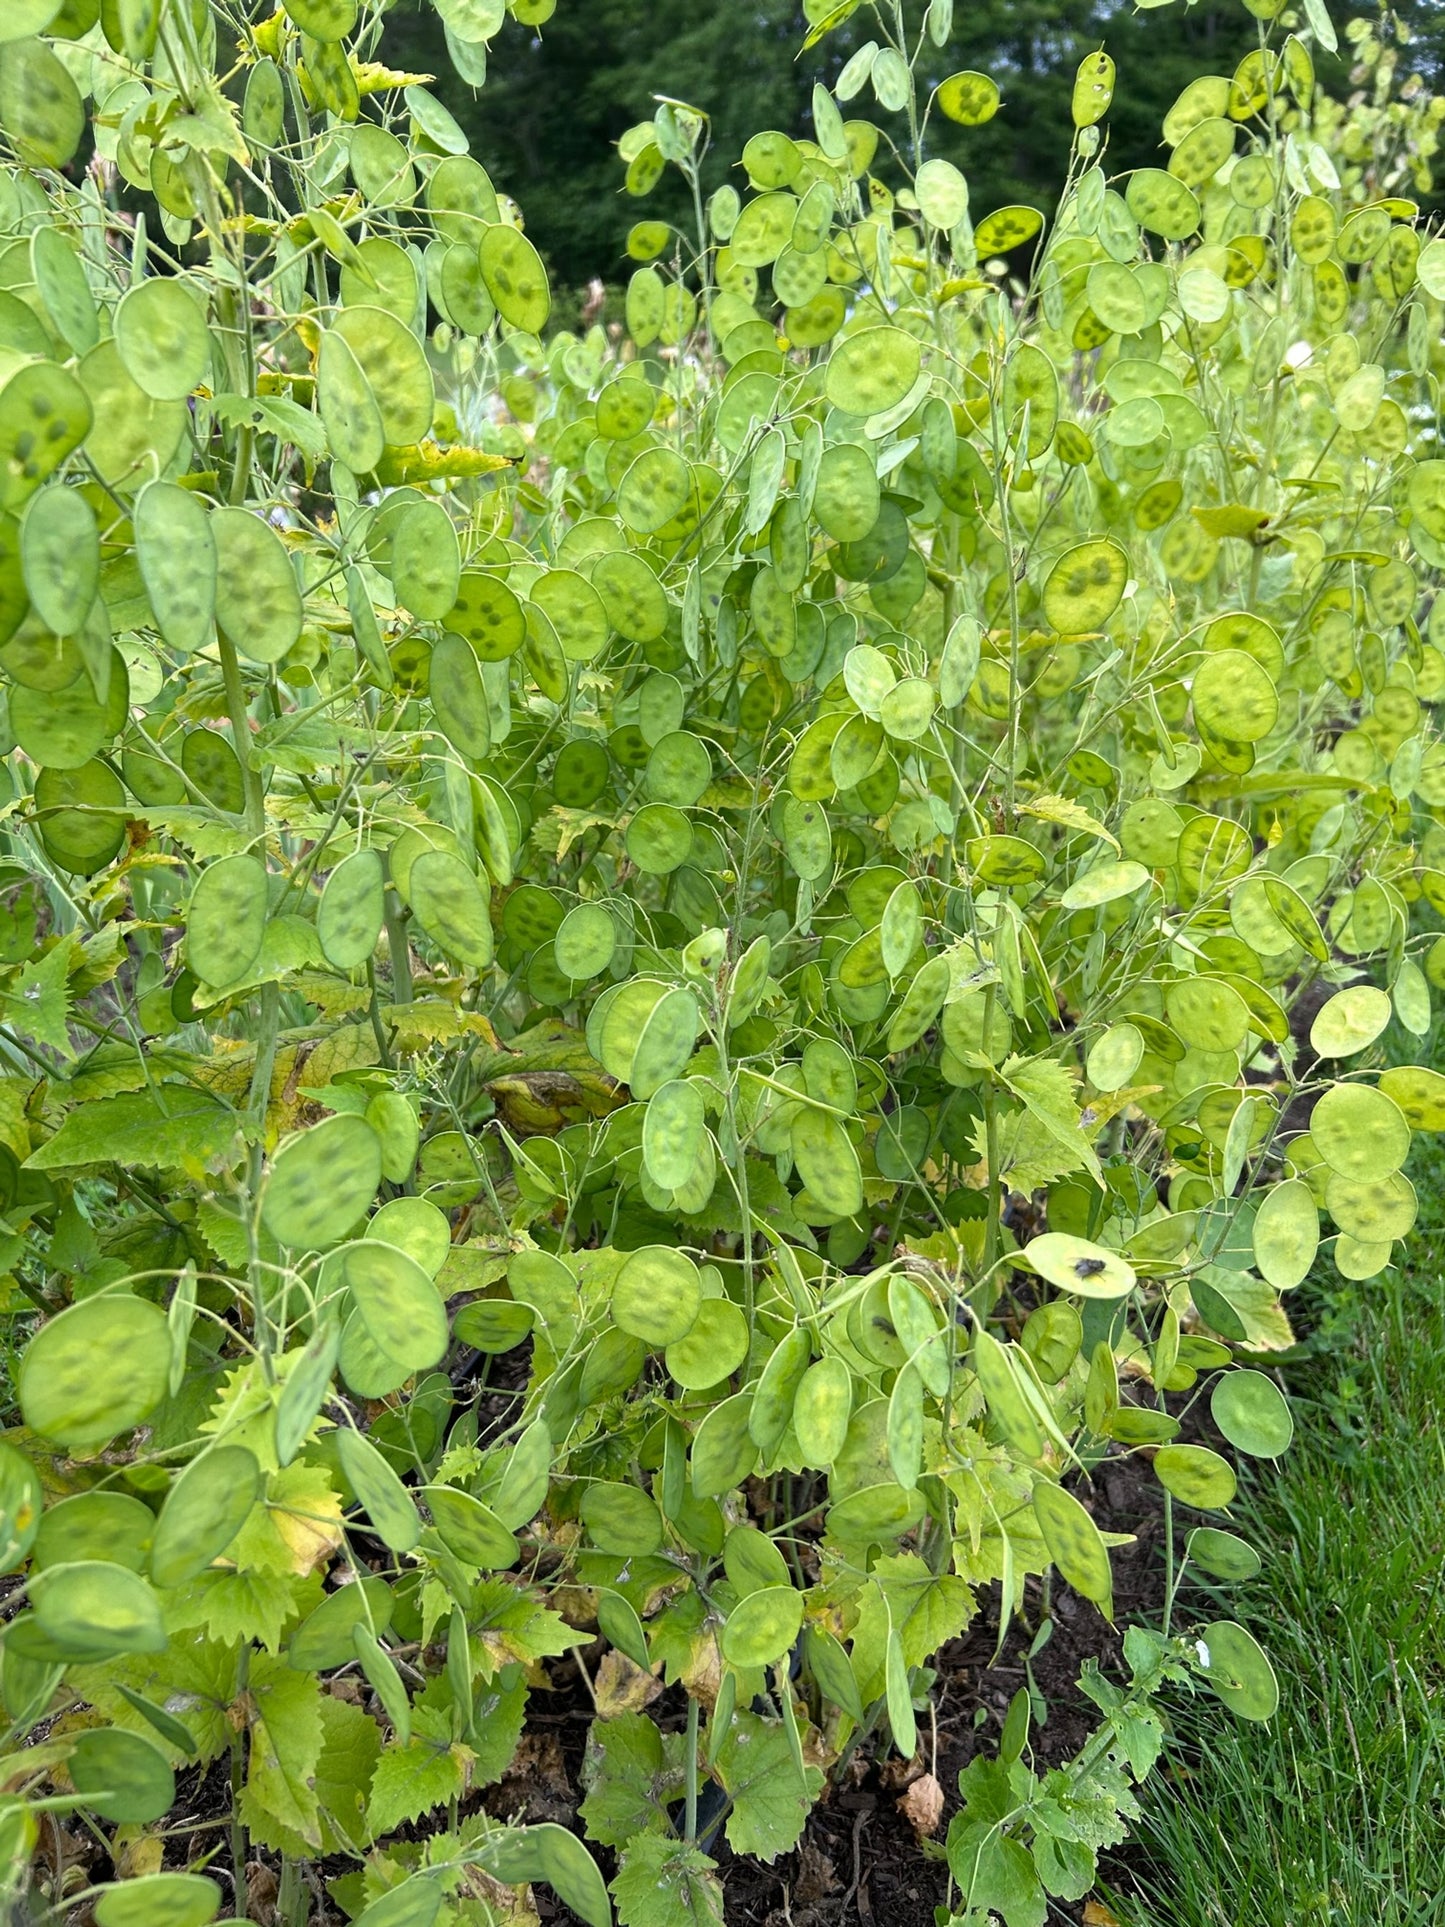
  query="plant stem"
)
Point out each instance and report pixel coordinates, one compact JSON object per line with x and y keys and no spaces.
{"x":690,"y":1812}
{"x":396,"y":943}
{"x":239,"y":1850}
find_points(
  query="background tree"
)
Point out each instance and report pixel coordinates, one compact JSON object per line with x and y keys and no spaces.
{"x":559,"y":96}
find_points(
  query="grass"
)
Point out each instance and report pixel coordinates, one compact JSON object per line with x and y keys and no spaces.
{"x":1334,"y":1814}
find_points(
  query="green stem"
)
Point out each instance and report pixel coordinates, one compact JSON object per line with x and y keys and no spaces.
{"x":400,"y":952}
{"x":1170,"y":1577}
{"x":292,"y":1904}
{"x":239,"y":1848}
{"x":690,"y":1817}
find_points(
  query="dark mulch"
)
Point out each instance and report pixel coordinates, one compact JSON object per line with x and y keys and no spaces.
{"x":860,"y":1858}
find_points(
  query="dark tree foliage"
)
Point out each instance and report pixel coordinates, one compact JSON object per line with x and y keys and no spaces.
{"x":557,"y":99}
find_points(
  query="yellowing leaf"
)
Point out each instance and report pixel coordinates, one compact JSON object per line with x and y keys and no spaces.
{"x":1069,"y":815}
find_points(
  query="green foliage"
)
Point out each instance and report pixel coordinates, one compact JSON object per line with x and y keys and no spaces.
{"x":683,"y":854}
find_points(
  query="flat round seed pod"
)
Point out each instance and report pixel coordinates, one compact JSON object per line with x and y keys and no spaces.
{"x":822,"y":1408}
{"x":1202,"y":151}
{"x":1105,"y":883}
{"x":162,"y":338}
{"x":679,"y":769}
{"x":657,"y":487}
{"x":1116,"y":298}
{"x":464,"y":298}
{"x":665,"y":1042}
{"x":1420,"y":1094}
{"x":969,"y":98}
{"x":60,"y":551}
{"x":132,"y":434}
{"x":657,"y":1295}
{"x":1374,"y":1212}
{"x":873,"y":370}
{"x":798,"y":277}
{"x":531,"y":915}
{"x":1074,"y":1543}
{"x":1076,"y":1265}
{"x":395,"y":368}
{"x":1114,"y":1057}
{"x":461,"y":200}
{"x":632,"y":596}
{"x":1360,"y":1132}
{"x":941,"y":193}
{"x":258,"y":599}
{"x":764,"y":228}
{"x":14,"y":597}
{"x":625,"y":406}
{"x":204,"y":1510}
{"x":1195,"y":1476}
{"x":818,"y":321}
{"x":869,"y":676}
{"x":1234,"y":698}
{"x":585,"y":942}
{"x":208,"y":759}
{"x":40,"y":106}
{"x":417,"y":1227}
{"x":393,"y":1118}
{"x":1085,"y":587}
{"x":659,"y":839}
{"x":349,"y":409}
{"x":65,"y":1399}
{"x":159,"y":1900}
{"x":323,"y":19}
{"x":762,"y":1627}
{"x":1005,"y":860}
{"x":1286,"y":1234}
{"x":515,"y":277}
{"x":1163,"y":204}
{"x":81,"y":816}
{"x":672,"y":1133}
{"x":64,"y":290}
{"x":226,"y":919}
{"x":576,"y":612}
{"x":45,"y":414}
{"x":1350,"y":1021}
{"x":322,"y":1182}
{"x":21,"y":1499}
{"x":28,"y":17}
{"x":1211,"y":851}
{"x":907,"y":710}
{"x":1234,"y":1667}
{"x":263,"y":105}
{"x":1007,"y":228}
{"x":65,"y":728}
{"x":425,"y":559}
{"x":352,"y":909}
{"x":1207,"y":1013}
{"x":459,"y":699}
{"x":398,"y":1303}
{"x":412,"y":843}
{"x":827,"y":1163}
{"x":1222,"y":1555}
{"x":176,"y":550}
{"x":451,"y":907}
{"x":365,"y":1368}
{"x":621,"y":1519}
{"x":1252,"y":1413}
{"x":384,"y":1499}
{"x":472,"y":1530}
{"x":488,"y":615}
